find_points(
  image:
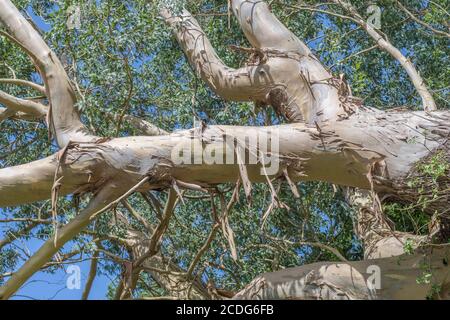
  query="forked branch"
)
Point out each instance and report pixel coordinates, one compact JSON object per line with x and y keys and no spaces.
{"x":65,"y":120}
{"x":231,"y":84}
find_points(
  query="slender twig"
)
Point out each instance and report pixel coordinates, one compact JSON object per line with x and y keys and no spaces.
{"x":124,"y":196}
{"x":412,"y":16}
{"x":354,"y":55}
{"x":35,"y":86}
{"x":202,"y":250}
{"x":137,"y":216}
{"x":155,"y":240}
{"x":92,"y":275}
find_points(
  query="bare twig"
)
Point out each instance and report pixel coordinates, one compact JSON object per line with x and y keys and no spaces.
{"x":202,"y":250}
{"x":35,"y":86}
{"x":426,"y":25}
{"x":92,"y":275}
{"x":155,"y":240}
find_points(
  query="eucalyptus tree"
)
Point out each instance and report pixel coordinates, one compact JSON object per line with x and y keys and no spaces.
{"x":379,"y":158}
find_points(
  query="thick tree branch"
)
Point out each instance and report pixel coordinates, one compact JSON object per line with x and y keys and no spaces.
{"x":21,"y":105}
{"x":362,"y":151}
{"x":286,"y":75}
{"x":65,"y":120}
{"x":306,"y":90}
{"x":33,"y":181}
{"x":263,"y":29}
{"x":243,"y":84}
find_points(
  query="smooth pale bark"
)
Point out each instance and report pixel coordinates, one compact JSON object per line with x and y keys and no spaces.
{"x":310,"y":88}
{"x":355,"y":281}
{"x":372,"y":149}
{"x":286,"y":75}
{"x":33,"y":181}
{"x":342,"y":152}
{"x":21,"y":105}
{"x":245,"y":84}
{"x":65,"y":120}
{"x":28,"y":182}
{"x":263,"y":30}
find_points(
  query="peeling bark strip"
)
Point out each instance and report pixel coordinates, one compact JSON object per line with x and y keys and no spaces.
{"x":339,"y":141}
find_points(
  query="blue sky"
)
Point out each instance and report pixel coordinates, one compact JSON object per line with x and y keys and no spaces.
{"x":54,"y":286}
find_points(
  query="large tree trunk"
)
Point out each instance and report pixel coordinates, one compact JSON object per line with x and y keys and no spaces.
{"x":399,"y":278}
{"x":337,"y":141}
